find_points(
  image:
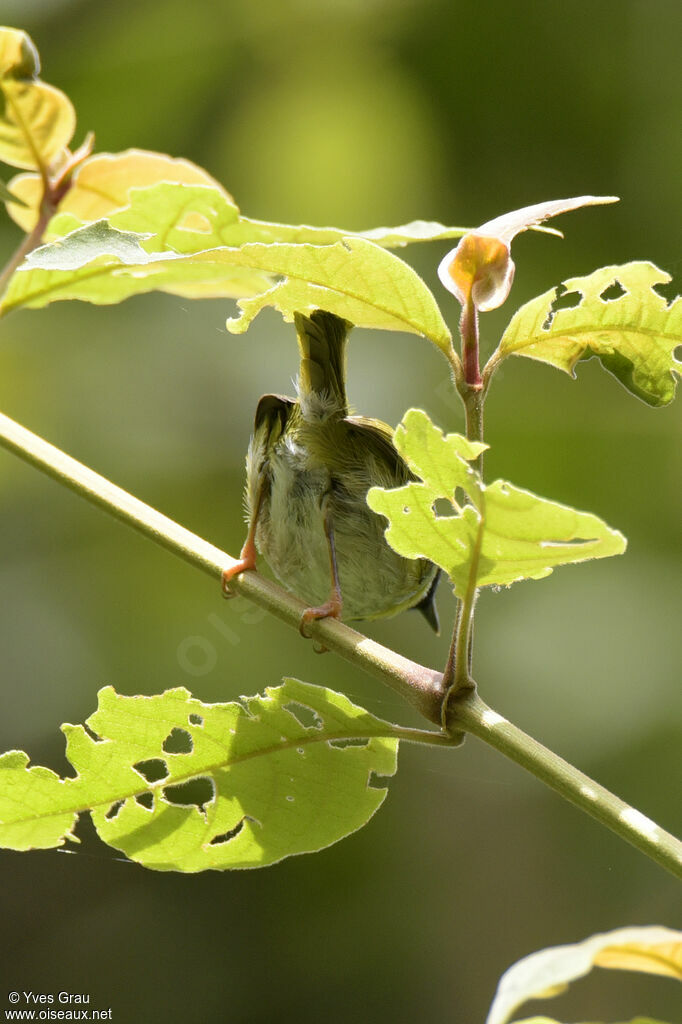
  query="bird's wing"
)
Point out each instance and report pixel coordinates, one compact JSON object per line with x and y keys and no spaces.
{"x":377,"y":439}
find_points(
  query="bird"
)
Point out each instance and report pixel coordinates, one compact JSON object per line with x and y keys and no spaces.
{"x":309,"y":466}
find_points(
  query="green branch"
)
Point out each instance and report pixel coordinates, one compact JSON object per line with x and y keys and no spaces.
{"x":421,"y":686}
{"x":474,"y":716}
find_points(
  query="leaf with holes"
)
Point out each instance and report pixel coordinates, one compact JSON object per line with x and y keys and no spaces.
{"x":486,"y":535}
{"x":181,"y":785}
{"x":653,"y":950}
{"x":617,"y":317}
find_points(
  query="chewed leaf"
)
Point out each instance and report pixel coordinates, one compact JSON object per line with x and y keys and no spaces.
{"x":548,"y":972}
{"x":498,"y":535}
{"x":182,"y":785}
{"x":355,"y":279}
{"x":38,"y":810}
{"x":633,"y":332}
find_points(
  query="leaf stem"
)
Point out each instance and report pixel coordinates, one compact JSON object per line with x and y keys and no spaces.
{"x":421,"y":686}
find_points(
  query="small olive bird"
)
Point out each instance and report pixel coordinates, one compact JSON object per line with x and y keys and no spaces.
{"x":308,"y":469}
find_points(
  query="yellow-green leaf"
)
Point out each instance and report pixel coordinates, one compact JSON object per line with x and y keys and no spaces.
{"x":497,"y":534}
{"x":387,"y":238}
{"x":102,"y":185}
{"x":181,"y":785}
{"x":37,"y":121}
{"x":18,"y":54}
{"x":102,"y":265}
{"x":38,"y":810}
{"x":355,"y":279}
{"x":618,"y":317}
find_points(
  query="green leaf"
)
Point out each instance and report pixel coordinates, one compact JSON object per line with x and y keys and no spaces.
{"x":633,"y":334}
{"x":167,"y":211}
{"x":38,"y":810}
{"x":182,"y":785}
{"x":502,"y":535}
{"x":387,"y":238}
{"x":100,"y":264}
{"x":355,"y":279}
{"x":182,"y":218}
{"x":191,"y":218}
{"x":548,"y":972}
{"x":183,"y":208}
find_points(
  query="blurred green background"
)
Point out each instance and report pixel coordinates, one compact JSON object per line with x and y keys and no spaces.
{"x":356,"y":113}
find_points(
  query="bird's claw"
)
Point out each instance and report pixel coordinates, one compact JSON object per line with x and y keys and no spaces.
{"x":241,"y":565}
{"x":331,"y":609}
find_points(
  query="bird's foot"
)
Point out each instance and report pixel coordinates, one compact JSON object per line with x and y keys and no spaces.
{"x":246,"y":560}
{"x":331,"y":609}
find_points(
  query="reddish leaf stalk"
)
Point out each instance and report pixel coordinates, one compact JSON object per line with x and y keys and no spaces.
{"x":468,"y":328}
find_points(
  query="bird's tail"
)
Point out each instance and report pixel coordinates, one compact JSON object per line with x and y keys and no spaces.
{"x":322,"y":374}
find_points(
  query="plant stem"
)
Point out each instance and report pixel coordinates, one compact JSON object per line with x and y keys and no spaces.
{"x":54,"y":191}
{"x":471,"y":714}
{"x":457,"y":674}
{"x":423,"y":687}
{"x":27,"y":245}
{"x":474,"y":400}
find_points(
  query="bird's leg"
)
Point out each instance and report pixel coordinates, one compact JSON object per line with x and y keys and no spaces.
{"x":248,"y":553}
{"x":333,"y":606}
